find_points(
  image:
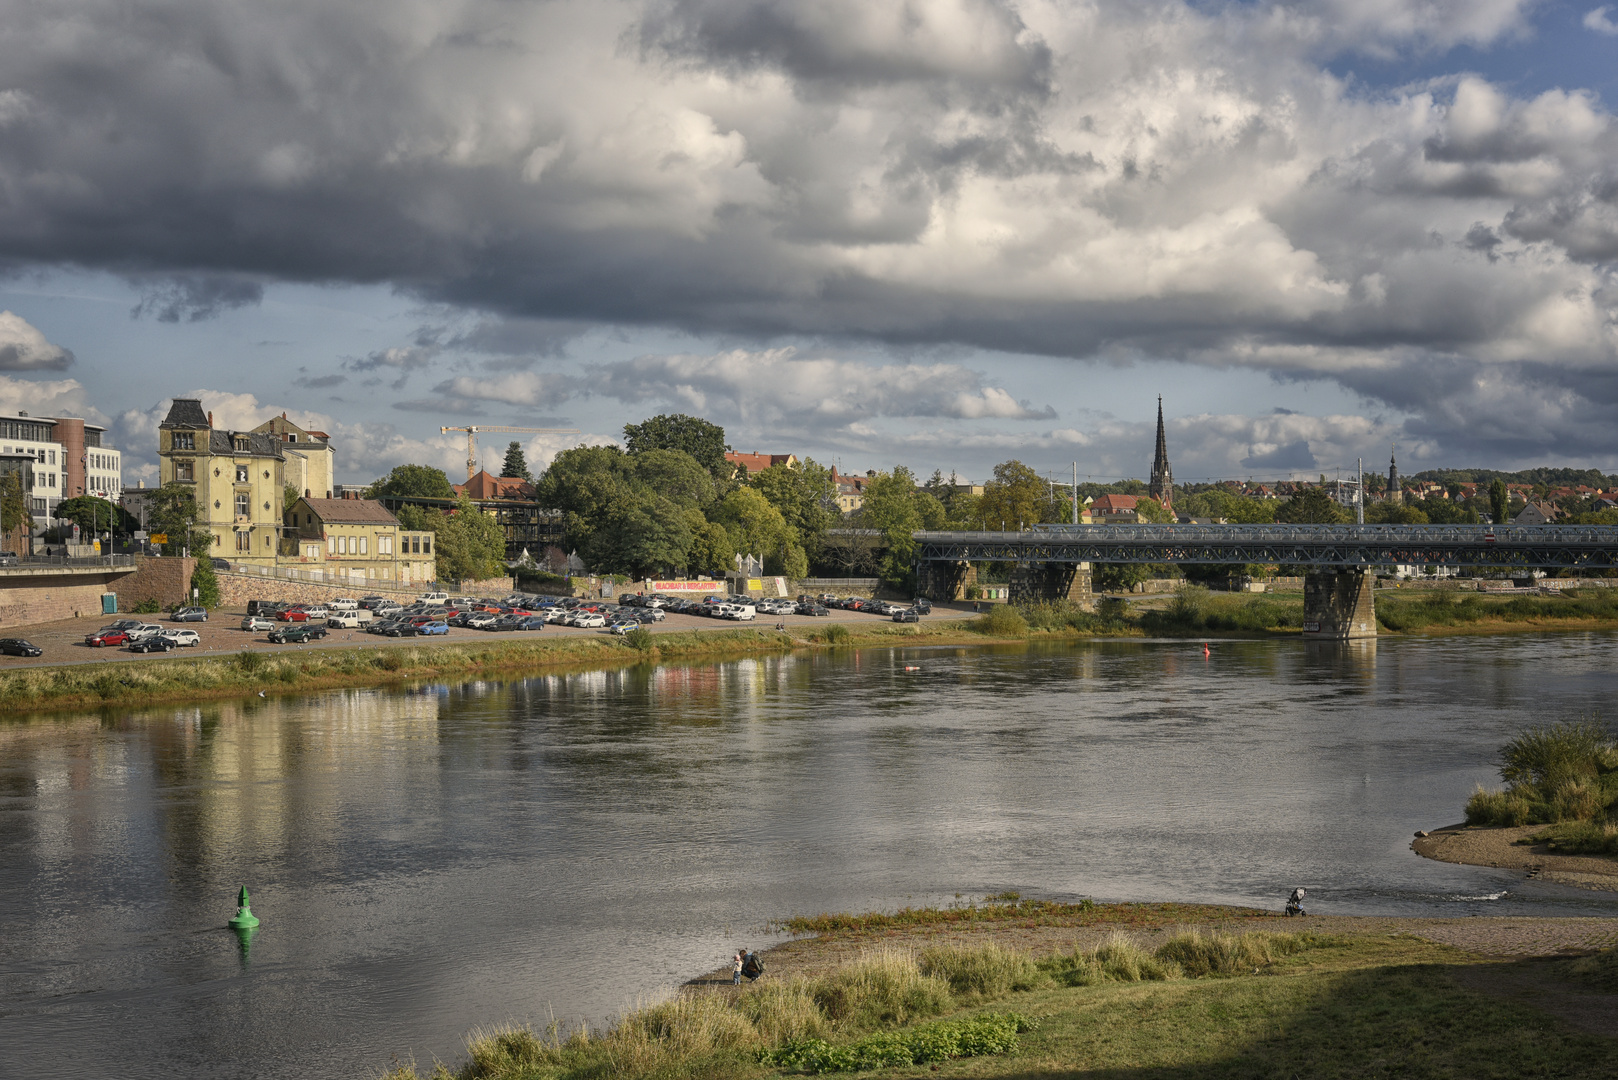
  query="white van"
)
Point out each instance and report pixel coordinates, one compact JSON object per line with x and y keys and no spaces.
{"x":433,"y":598}
{"x":348,"y":620}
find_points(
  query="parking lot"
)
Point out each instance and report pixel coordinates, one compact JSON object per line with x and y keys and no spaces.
{"x":62,"y":642}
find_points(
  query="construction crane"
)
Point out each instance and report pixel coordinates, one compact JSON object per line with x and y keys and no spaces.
{"x":472,"y":439}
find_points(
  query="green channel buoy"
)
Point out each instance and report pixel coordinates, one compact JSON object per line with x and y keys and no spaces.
{"x":244,"y":919}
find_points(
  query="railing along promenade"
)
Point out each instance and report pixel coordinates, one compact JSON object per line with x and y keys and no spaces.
{"x":1593,"y":547}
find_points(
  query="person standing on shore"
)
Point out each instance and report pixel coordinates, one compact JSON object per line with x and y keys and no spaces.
{"x":736,"y":967}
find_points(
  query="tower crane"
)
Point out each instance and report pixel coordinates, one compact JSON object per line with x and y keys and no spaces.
{"x":472,"y":439}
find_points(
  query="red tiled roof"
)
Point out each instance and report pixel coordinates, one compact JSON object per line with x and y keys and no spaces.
{"x":484,"y":486}
{"x":1115,"y":504}
{"x":752,"y":463}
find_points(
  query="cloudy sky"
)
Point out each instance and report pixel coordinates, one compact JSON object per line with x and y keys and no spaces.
{"x":934,"y":232}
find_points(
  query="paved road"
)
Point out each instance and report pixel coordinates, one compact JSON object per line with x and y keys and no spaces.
{"x":63,"y":641}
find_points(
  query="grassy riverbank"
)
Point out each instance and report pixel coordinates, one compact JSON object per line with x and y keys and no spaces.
{"x":1163,"y":1000}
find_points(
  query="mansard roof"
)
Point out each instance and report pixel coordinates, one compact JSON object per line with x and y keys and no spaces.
{"x":185,"y":413}
{"x":224,"y":443}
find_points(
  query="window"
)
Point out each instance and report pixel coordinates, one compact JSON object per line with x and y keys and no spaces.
{"x":415,"y":545}
{"x":52,"y":455}
{"x":182,"y":471}
{"x":244,"y":543}
{"x":331,"y":545}
{"x":342,"y":545}
{"x":241,"y":474}
{"x":364,"y":543}
{"x":241,"y":444}
{"x":384,"y":545}
{"x":244,"y":504}
{"x":426,"y":545}
{"x":312,"y":551}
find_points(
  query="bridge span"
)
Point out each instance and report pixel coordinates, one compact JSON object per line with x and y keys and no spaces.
{"x":1052,"y":561}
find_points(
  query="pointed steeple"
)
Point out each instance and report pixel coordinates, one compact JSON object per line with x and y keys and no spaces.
{"x":1395,"y":492}
{"x":1162,"y":485}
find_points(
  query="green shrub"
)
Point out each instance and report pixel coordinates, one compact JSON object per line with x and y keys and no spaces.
{"x":835,"y":634}
{"x":782,"y":1012}
{"x":884,"y":988}
{"x":1199,"y":955}
{"x":248,"y":661}
{"x":1001,"y":621}
{"x":988,"y":971}
{"x":146,"y":607}
{"x":1559,"y":773}
{"x":639,"y":638}
{"x":990,"y":1033}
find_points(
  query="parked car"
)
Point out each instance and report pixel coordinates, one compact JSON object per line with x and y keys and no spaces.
{"x":530,"y":622}
{"x":506,"y":623}
{"x":292,"y":615}
{"x":922,"y":605}
{"x":296,"y":634}
{"x":102,"y":638}
{"x":481,"y":620}
{"x":144,"y":630}
{"x":189,"y":614}
{"x":16,"y":646}
{"x":188,"y":639}
{"x":812,"y":608}
{"x":651,"y":614}
{"x":433,"y":628}
{"x":395,"y":628}
{"x":907,"y":615}
{"x":590,"y":621}
{"x":342,"y":604}
{"x":155,"y":643}
{"x":257,"y":622}
{"x":346,"y":620}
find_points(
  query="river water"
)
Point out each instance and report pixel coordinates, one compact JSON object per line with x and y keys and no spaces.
{"x":426,"y":861}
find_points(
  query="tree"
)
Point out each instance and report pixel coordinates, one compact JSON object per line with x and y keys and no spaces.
{"x":893,"y":505}
{"x":469,"y":543}
{"x":13,"y":506}
{"x":675,"y":475}
{"x":1498,"y":501}
{"x":204,"y":584}
{"x":690,"y":434}
{"x":805,"y":498}
{"x":172,"y":510}
{"x":642,"y":534}
{"x":515,"y":464}
{"x":413,"y":481}
{"x":1311,"y":507}
{"x":757,"y":528}
{"x":1019,"y":496}
{"x":289,"y":495}
{"x":1386,"y":513}
{"x":92,"y":515}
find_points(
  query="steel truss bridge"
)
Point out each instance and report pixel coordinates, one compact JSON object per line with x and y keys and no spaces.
{"x":1588,"y":547}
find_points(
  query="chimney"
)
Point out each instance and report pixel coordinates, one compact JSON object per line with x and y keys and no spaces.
{"x":210,"y":418}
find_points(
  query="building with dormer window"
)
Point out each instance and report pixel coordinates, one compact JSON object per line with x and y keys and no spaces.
{"x":238,"y":478}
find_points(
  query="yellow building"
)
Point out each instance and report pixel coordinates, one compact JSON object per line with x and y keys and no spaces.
{"x":238,"y":478}
{"x":359,"y":537}
{"x":310,"y":460}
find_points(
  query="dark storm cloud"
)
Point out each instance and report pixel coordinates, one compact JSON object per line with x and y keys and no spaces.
{"x":1095,"y":181}
{"x":194,"y":297}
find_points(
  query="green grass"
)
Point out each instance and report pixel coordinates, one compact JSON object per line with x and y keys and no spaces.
{"x":314,"y":668}
{"x":1564,"y":776}
{"x":1195,"y":609}
{"x":1012,"y":908}
{"x":1250,"y":1005}
{"x":1441,"y":608}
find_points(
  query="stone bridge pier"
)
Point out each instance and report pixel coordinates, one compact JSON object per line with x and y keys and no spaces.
{"x":1032,"y":582}
{"x":1338,"y":605}
{"x":944,"y":581}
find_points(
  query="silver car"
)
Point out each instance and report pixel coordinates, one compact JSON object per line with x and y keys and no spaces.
{"x":258,"y":622}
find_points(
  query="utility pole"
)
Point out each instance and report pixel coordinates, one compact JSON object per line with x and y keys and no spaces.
{"x":1075,"y":493}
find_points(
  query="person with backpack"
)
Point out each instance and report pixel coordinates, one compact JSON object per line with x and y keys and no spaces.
{"x":752,"y":967}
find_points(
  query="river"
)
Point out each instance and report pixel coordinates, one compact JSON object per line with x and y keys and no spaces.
{"x":432,"y":859}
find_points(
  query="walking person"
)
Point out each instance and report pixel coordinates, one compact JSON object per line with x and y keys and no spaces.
{"x":736,"y":967}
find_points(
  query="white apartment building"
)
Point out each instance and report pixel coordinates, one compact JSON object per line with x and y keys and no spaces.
{"x":69,"y":460}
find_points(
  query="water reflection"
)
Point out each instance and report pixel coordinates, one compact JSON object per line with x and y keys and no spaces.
{"x":432,"y":859}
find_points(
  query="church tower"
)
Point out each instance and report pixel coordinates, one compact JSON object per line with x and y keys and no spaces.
{"x":1162,"y":485}
{"x":1395,"y":494}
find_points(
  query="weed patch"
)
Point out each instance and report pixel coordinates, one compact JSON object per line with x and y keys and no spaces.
{"x":1564,"y":775}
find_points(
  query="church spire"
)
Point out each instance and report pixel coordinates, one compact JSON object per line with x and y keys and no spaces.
{"x":1395,"y":492}
{"x":1162,"y":485}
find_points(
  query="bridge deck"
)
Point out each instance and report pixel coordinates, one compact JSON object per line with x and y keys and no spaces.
{"x":1591,"y":547}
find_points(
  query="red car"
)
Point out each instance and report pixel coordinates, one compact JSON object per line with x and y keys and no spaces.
{"x":292,"y":614}
{"x":111,"y":637}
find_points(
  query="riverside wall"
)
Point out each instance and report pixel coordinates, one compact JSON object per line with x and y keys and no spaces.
{"x":165,"y":579}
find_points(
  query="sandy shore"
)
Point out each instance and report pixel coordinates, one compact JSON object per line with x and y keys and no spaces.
{"x":1489,"y":846}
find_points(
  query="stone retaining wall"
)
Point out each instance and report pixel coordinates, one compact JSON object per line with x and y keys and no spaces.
{"x":47,"y":597}
{"x":165,"y":579}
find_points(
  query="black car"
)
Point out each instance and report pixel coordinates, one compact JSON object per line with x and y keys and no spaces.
{"x":151,"y":643}
{"x":296,"y":632}
{"x":812,"y":608}
{"x":922,"y":605}
{"x":906,"y":615}
{"x":16,"y":646}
